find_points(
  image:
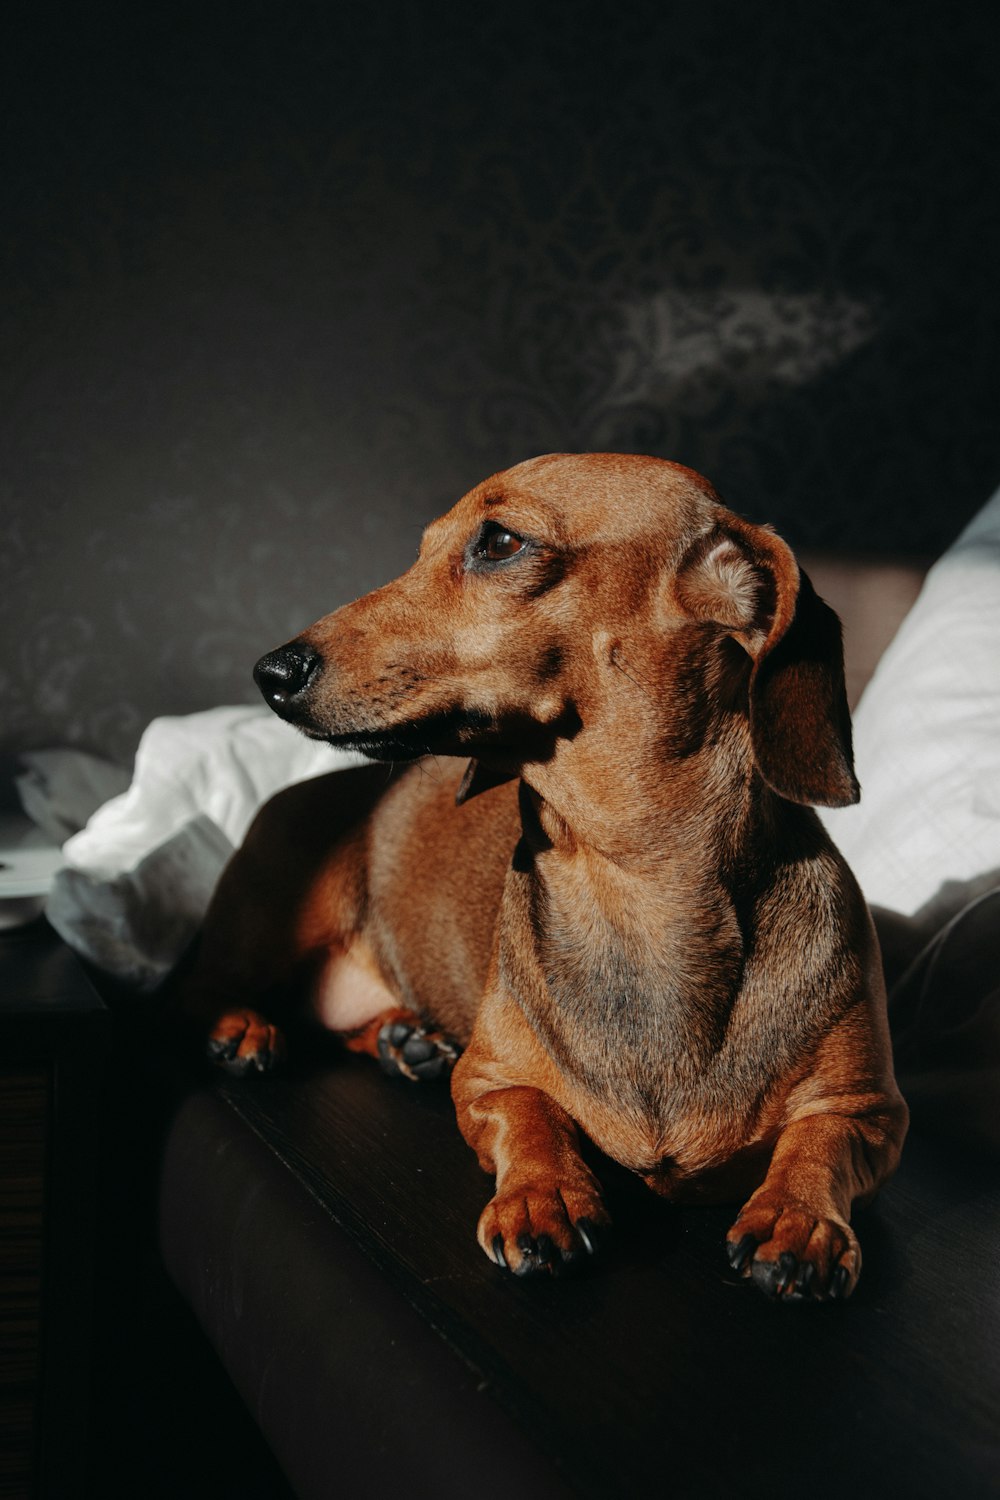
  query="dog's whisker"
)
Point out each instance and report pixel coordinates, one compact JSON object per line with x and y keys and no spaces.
{"x":615,"y":662}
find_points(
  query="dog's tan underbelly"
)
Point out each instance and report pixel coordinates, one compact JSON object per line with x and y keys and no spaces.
{"x":349,"y":991}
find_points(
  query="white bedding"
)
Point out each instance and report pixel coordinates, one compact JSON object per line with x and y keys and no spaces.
{"x":927,"y":742}
{"x":138,"y":877}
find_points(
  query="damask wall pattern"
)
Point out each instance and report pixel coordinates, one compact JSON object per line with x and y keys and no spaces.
{"x":281,"y":282}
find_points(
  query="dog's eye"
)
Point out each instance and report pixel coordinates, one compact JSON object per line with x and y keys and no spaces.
{"x":496,"y":543}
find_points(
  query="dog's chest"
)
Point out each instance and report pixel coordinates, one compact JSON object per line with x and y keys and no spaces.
{"x":639,"y":1018}
{"x":632,"y":1004}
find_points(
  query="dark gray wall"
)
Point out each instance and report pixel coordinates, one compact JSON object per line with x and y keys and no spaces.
{"x":284,"y":280}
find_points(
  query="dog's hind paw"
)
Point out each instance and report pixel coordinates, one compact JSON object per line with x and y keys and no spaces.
{"x":243,"y":1041}
{"x":408,"y":1049}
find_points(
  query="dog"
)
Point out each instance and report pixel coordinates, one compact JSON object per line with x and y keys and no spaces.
{"x":616,"y":916}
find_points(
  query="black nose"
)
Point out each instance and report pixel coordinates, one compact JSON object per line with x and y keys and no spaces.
{"x":284,"y":675}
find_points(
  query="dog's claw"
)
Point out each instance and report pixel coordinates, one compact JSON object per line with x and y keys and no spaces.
{"x":740,"y":1251}
{"x":839,"y":1283}
{"x":590,"y":1235}
{"x":788,"y":1266}
{"x":540,"y":1252}
{"x":804,"y":1280}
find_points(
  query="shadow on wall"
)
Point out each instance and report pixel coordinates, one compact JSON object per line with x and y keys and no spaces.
{"x":286,"y":281}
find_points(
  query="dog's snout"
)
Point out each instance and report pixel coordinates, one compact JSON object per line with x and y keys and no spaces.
{"x":284,"y":675}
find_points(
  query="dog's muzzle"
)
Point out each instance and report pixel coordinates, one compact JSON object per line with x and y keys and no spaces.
{"x":285,"y":675}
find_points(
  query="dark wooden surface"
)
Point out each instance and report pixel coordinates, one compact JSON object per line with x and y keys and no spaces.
{"x":54,"y":1036}
{"x":657,"y":1366}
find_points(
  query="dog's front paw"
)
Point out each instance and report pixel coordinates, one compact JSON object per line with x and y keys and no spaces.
{"x":411,"y":1050}
{"x":543,"y":1229}
{"x":794,"y":1254}
{"x":243,"y":1041}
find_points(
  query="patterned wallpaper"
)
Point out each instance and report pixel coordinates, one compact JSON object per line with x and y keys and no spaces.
{"x":281,"y":281}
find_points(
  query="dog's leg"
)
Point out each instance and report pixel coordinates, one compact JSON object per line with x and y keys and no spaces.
{"x":227,"y":992}
{"x":288,"y":898}
{"x":794,"y":1237}
{"x":227,"y":986}
{"x":547,"y":1209}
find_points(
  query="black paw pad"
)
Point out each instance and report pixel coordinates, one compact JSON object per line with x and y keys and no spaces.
{"x":407,"y":1050}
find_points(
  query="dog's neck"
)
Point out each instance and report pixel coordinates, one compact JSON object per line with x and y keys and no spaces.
{"x":648,"y":809}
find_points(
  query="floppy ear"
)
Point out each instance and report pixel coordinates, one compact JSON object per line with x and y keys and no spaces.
{"x":745,"y":579}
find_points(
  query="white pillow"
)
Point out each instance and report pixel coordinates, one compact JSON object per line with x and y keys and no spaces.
{"x":927,"y":737}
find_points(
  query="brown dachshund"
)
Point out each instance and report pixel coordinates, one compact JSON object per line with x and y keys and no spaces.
{"x":620,"y":908}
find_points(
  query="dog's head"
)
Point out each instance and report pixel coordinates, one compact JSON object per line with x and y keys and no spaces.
{"x":600,"y":593}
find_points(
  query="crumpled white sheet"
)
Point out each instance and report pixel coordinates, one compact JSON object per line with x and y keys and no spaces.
{"x":138,"y":878}
{"x":60,"y":789}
